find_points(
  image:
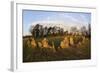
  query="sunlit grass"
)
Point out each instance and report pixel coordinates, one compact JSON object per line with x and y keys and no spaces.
{"x":37,"y":54}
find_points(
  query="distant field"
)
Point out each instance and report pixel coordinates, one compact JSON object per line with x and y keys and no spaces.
{"x":38,"y":54}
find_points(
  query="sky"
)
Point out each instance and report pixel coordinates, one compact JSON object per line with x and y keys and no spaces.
{"x":30,"y":17}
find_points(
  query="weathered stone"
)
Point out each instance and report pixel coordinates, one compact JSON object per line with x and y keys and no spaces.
{"x":79,"y":44}
{"x":45,"y":43}
{"x":28,"y":43}
{"x":83,"y":39}
{"x":33,"y":43}
{"x":40,"y":44}
{"x":53,"y":47}
{"x":71,"y":41}
{"x":65,"y":43}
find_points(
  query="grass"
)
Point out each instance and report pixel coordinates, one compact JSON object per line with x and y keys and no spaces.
{"x":38,"y":54}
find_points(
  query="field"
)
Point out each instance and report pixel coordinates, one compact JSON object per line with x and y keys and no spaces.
{"x":79,"y":51}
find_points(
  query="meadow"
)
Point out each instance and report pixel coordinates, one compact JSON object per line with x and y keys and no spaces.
{"x":79,"y":51}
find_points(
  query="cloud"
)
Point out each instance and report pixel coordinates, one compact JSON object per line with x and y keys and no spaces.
{"x":63,"y":20}
{"x":26,"y":33}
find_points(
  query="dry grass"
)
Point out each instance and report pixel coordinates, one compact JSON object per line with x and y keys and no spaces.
{"x":81,"y":50}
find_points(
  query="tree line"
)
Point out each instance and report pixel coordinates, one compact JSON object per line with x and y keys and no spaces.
{"x":40,"y":31}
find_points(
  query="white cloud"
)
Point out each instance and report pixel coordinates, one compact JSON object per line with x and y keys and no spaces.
{"x":65,"y":21}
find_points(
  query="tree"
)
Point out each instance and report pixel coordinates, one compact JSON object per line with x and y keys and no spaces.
{"x":89,"y":30}
{"x":83,"y":29}
{"x":31,"y":29}
{"x":35,"y":30}
{"x":73,"y":29}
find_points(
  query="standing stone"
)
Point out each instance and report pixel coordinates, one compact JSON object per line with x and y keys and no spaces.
{"x":28,"y":43}
{"x":45,"y":43}
{"x":71,"y":41}
{"x":33,"y":43}
{"x":83,"y":39}
{"x":65,"y":43}
{"x":53,"y":47}
{"x":40,"y":44}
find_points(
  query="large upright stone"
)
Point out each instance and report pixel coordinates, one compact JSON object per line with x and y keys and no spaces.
{"x":45,"y":43}
{"x":71,"y":40}
{"x":40,"y":44}
{"x":33,"y":43}
{"x":65,"y":43}
{"x":28,"y":43}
